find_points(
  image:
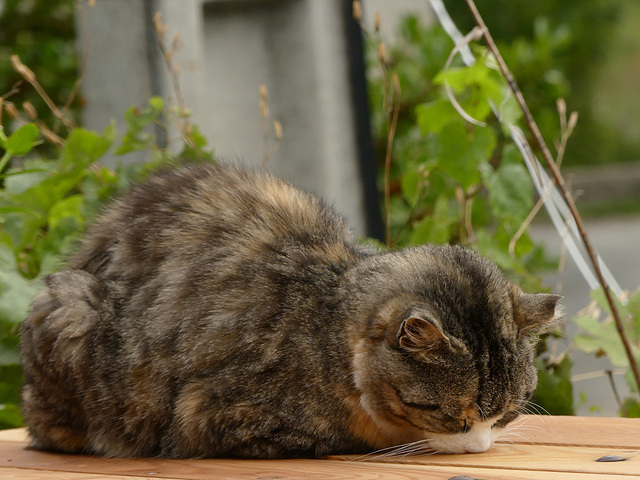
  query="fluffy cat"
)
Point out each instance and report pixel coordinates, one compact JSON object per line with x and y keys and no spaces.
{"x":220,"y":312}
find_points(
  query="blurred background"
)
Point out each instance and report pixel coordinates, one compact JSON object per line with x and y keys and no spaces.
{"x":294,"y":84}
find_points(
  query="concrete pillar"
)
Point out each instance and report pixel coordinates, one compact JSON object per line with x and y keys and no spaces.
{"x":297,"y":48}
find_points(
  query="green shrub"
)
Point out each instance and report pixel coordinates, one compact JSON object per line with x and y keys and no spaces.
{"x":42,"y":34}
{"x":557,"y":49}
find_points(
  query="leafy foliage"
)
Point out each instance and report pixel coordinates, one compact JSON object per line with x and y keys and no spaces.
{"x":41,"y":33}
{"x":600,"y":336}
{"x":556,"y":49}
{"x":453,"y":181}
{"x":45,"y":205}
{"x":555,"y":391}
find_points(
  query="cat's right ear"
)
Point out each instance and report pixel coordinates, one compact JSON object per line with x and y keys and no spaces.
{"x":417,"y":334}
{"x":535,"y":313}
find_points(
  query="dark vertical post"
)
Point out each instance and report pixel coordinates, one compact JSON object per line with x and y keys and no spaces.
{"x":364,"y":139}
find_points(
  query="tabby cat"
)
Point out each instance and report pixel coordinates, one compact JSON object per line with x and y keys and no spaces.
{"x":220,"y":312}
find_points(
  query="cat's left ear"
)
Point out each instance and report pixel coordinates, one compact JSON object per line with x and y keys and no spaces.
{"x":417,"y":334}
{"x":536,"y":312}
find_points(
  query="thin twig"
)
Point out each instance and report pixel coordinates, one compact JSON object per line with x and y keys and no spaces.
{"x":527,"y":221}
{"x":615,"y":392}
{"x":85,"y":57}
{"x":558,"y":178}
{"x":160,"y":29}
{"x":264,"y":115}
{"x":581,"y":377}
{"x":30,"y":77}
{"x":393,"y":123}
{"x":566,"y":129}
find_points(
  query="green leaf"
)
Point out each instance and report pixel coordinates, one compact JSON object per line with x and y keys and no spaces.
{"x":411,"y":187}
{"x":16,"y":292}
{"x":433,"y":116}
{"x":59,"y":243}
{"x":156,"y":104}
{"x":631,"y":407}
{"x":31,"y":173}
{"x":84,"y":147}
{"x":555,"y":391}
{"x":11,"y":379}
{"x":9,"y":355}
{"x":629,"y":375}
{"x":509,"y":113}
{"x":488,"y":246}
{"x":434,"y":228}
{"x":475,"y":88}
{"x":510,"y":190}
{"x":633,"y":309}
{"x":600,"y":336}
{"x":461,"y":153}
{"x":68,"y":207}
{"x":135,"y":138}
{"x":10,"y":416}
{"x":415,"y":182}
{"x":22,"y":140}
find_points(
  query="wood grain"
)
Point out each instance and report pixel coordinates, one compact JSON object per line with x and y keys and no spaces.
{"x":563,"y":448}
{"x":575,"y":431}
{"x":52,"y":466}
{"x":544,"y":458}
{"x":14,"y":435}
{"x":23,"y":474}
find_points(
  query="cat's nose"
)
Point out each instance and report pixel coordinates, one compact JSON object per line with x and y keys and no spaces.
{"x":478,"y":444}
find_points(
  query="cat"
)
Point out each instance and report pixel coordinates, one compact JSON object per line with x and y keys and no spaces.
{"x":216,"y":311}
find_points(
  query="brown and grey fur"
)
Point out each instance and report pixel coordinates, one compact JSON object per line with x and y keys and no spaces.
{"x":215,"y":311}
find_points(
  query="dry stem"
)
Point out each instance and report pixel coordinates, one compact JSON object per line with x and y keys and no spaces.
{"x":264,"y":115}
{"x":30,"y":77}
{"x":160,"y":29}
{"x":558,"y":178}
{"x":393,"y":123}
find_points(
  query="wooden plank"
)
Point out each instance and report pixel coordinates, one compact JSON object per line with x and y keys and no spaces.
{"x":544,"y":458}
{"x":12,"y":456}
{"x":25,"y":474}
{"x":574,"y":431}
{"x":14,"y":435}
{"x":561,"y":447}
{"x":507,"y":474}
{"x":397,"y":472}
{"x":539,"y":462}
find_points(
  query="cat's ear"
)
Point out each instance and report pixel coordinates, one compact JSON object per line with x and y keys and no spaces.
{"x":536,"y":312}
{"x":419,"y":335}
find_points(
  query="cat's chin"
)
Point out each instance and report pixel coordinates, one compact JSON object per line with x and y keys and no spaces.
{"x":478,"y":439}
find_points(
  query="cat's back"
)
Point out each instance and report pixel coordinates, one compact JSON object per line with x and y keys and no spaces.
{"x":217,"y":210}
{"x":202,"y":277}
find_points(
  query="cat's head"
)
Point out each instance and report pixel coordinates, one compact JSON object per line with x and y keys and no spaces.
{"x":447,"y":353}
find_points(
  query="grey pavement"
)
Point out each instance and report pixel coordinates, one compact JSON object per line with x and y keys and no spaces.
{"x":617,"y":240}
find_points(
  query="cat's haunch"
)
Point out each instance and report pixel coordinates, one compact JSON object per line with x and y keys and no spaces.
{"x":220,"y":312}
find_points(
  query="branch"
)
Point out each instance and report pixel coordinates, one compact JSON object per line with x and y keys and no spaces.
{"x":559,"y":180}
{"x":30,"y":77}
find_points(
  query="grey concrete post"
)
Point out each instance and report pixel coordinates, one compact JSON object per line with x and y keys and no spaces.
{"x":297,"y":48}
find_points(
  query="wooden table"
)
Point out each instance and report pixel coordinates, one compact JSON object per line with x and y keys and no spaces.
{"x":537,"y":448}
